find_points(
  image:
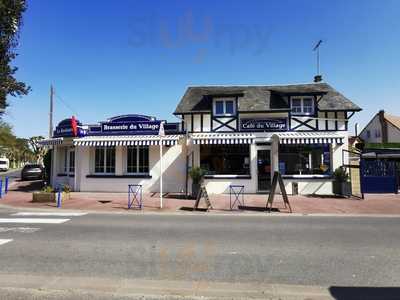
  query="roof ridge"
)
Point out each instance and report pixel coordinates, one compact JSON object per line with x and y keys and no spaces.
{"x":256,"y":85}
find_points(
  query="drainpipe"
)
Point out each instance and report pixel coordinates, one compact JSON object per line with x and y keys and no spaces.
{"x":384,"y":126}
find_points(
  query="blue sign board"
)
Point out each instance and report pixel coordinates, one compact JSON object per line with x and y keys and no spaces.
{"x":131,"y":127}
{"x":263,"y":124}
{"x":64,"y":129}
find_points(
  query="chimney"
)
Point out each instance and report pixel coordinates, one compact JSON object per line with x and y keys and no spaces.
{"x":317,"y":78}
{"x":384,"y":128}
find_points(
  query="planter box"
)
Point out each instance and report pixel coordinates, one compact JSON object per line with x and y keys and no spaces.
{"x":48,"y":197}
{"x":43,"y":197}
{"x":195,"y":189}
{"x":341,"y":188}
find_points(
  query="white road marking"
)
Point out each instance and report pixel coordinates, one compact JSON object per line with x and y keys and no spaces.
{"x":5,"y":241}
{"x":54,"y":214}
{"x":18,"y":229}
{"x":33,"y":221}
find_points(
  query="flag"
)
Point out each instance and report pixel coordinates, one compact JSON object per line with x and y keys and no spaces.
{"x":74,"y":126}
{"x":161,"y":131}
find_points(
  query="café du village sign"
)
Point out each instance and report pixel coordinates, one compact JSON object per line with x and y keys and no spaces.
{"x":276,"y":124}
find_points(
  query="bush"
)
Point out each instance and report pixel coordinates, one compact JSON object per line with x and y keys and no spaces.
{"x":341,"y":175}
{"x":196,"y":173}
{"x":66,"y":188}
{"x":47,"y":189}
{"x":47,"y":165}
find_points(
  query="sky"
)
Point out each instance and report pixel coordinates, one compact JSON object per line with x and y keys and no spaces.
{"x":108,"y":58}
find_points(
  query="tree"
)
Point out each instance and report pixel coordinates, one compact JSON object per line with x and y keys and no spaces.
{"x":17,"y":150}
{"x":10,"y":22}
{"x":38,"y":150}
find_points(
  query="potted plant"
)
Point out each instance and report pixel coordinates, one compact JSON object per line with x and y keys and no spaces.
{"x":45,"y":195}
{"x":341,"y":184}
{"x":66,"y":190}
{"x":196,"y":173}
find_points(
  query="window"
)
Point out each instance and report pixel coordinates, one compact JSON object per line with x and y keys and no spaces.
{"x":302,"y":105}
{"x":296,"y":106}
{"x":304,"y":159}
{"x":224,"y":107}
{"x":71,"y":161}
{"x":138,"y":159}
{"x":65,"y":166}
{"x":225,"y":159}
{"x":104,"y":161}
{"x":377,"y":133}
{"x":68,"y":157}
{"x":368,"y":134}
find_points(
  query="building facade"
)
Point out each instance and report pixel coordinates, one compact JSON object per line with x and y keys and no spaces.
{"x":383,"y":128}
{"x":237,"y":134}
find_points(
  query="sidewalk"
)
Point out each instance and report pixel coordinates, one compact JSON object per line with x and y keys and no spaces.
{"x":20,"y":195}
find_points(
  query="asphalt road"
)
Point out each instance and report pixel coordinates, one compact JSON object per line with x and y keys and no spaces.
{"x":11,"y":174}
{"x":332,"y":252}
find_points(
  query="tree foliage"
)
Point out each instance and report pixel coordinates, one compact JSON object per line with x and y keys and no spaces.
{"x":10,"y":22}
{"x":38,"y":150}
{"x":17,"y":150}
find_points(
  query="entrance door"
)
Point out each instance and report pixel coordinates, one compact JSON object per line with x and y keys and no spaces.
{"x":263,"y":170}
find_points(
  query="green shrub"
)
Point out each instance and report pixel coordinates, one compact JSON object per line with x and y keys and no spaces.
{"x":196,"y":173}
{"x":66,"y":188}
{"x":341,"y":175}
{"x":47,"y":189}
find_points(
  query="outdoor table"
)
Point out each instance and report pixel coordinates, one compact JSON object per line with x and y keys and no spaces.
{"x":237,"y":191}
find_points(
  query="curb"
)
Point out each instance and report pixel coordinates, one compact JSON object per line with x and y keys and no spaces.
{"x":216,"y":213}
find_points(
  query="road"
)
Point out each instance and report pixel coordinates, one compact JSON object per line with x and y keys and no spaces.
{"x":142,"y":252}
{"x":11,"y":174}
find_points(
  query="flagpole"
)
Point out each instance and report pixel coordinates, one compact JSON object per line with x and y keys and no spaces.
{"x":161,"y":174}
{"x":161,"y":133}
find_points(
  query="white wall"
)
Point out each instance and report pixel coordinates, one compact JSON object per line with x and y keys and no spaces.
{"x":174,"y":166}
{"x":374,"y":126}
{"x":393,"y":134}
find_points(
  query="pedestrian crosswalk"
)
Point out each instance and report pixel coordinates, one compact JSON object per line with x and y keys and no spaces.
{"x":31,"y":217}
{"x":5,"y":241}
{"x":33,"y":220}
{"x":49,"y":214}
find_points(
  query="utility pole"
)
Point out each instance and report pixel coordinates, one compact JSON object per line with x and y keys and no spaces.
{"x":51,"y":112}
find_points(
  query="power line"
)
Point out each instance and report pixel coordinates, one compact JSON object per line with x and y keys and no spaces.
{"x":65,"y":104}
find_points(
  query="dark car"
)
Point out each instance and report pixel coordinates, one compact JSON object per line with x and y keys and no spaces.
{"x":32,"y":172}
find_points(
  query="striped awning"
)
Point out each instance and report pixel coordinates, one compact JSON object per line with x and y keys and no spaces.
{"x":51,"y":141}
{"x":130,"y":140}
{"x":222,"y":138}
{"x":311,"y":137}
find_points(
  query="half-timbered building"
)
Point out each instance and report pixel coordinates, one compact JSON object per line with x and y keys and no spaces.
{"x":241,"y":134}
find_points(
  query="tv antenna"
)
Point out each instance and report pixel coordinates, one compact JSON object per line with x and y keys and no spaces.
{"x":316,"y":48}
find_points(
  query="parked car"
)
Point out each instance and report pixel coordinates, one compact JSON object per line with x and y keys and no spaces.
{"x":32,"y":171}
{"x":4,"y":164}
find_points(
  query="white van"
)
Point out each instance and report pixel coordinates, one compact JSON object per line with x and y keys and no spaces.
{"x":4,"y":164}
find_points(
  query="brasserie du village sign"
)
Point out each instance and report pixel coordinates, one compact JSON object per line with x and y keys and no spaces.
{"x":263,"y":124}
{"x":147,"y":126}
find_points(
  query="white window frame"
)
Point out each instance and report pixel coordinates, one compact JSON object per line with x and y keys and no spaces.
{"x":137,"y":160}
{"x":71,"y":150}
{"x":301,"y":98}
{"x":105,"y":161}
{"x":224,"y":107}
{"x":67,"y":161}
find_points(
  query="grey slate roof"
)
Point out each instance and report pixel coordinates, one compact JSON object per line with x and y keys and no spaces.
{"x":263,"y":98}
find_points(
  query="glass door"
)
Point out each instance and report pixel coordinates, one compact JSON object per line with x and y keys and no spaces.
{"x":263,"y":170}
